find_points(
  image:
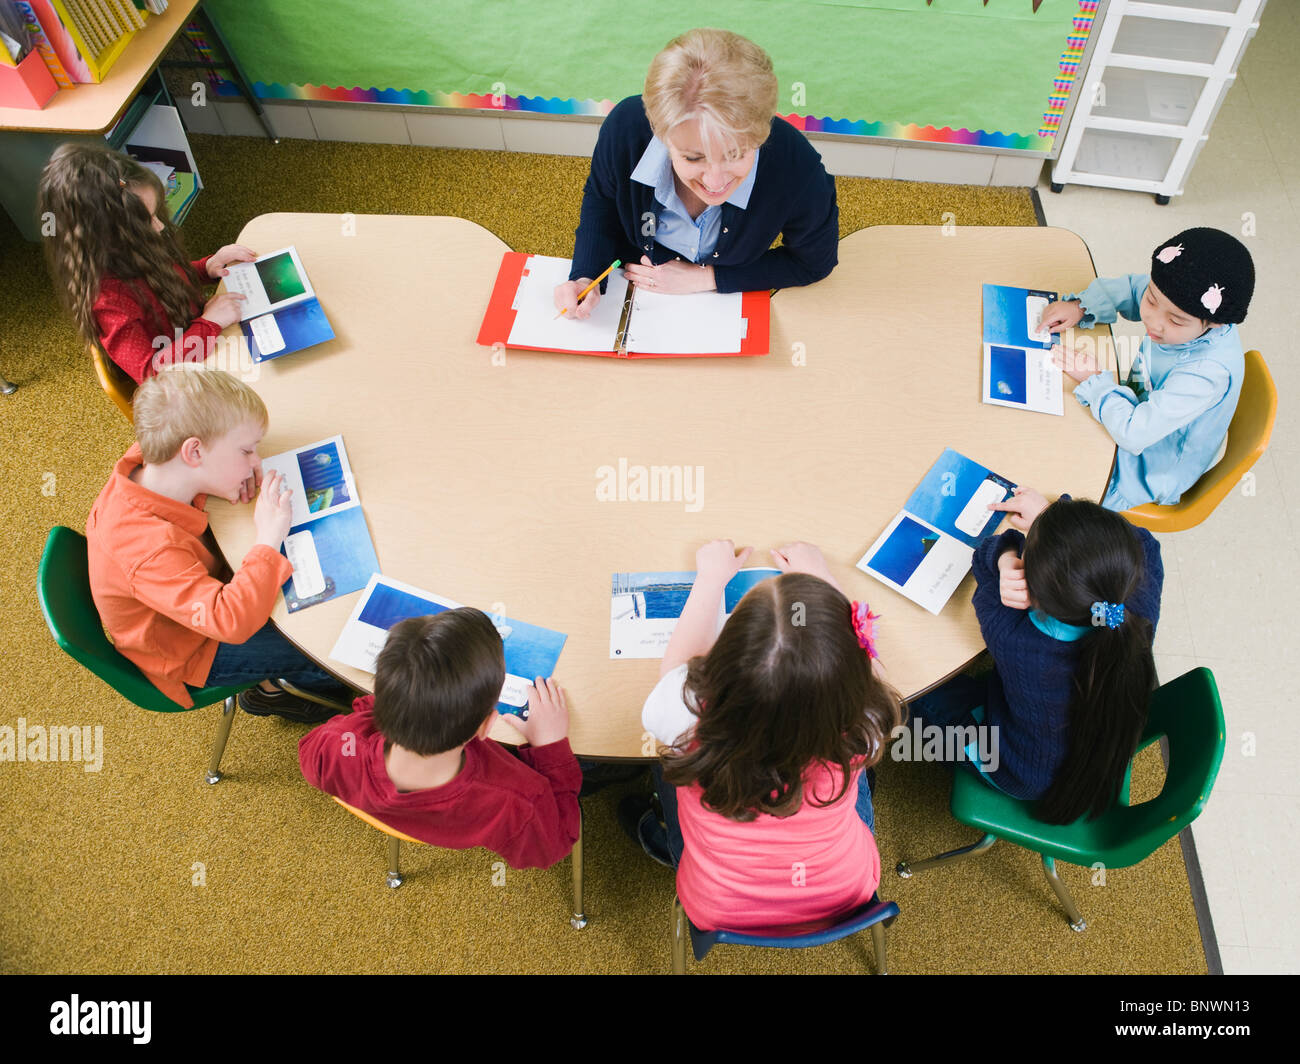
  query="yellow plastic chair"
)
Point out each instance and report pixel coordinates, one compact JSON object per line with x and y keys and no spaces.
{"x":577,"y":919}
{"x":1248,"y":437}
{"x":113,"y":379}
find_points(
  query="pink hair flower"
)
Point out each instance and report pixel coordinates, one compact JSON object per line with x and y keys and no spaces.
{"x":864,"y":627}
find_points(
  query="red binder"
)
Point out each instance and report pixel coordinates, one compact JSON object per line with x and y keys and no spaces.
{"x":500,"y":320}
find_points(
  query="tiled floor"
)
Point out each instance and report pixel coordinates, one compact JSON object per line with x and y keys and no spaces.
{"x":1231,"y":584}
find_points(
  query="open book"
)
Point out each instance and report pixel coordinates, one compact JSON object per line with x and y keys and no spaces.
{"x":926,"y":550}
{"x":644,"y":608}
{"x":627,"y":323}
{"x":1018,"y":368}
{"x":281,"y":313}
{"x":328,"y":543}
{"x":530,"y":651}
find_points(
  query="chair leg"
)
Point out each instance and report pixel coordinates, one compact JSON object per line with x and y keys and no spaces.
{"x":905,"y":870}
{"x":213,"y":775}
{"x":1077,"y":922}
{"x":7,"y":387}
{"x":680,"y":936}
{"x":311,"y":696}
{"x":878,"y":942}
{"x":394,"y":878}
{"x":578,"y":919}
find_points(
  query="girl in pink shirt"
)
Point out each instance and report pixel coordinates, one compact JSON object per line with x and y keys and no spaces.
{"x":770,"y":725}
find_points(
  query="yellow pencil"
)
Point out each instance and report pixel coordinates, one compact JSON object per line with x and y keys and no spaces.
{"x":583,"y":294}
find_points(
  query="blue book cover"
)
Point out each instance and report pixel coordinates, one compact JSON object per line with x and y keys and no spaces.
{"x":530,"y":650}
{"x":282,"y":332}
{"x":926,"y":550}
{"x":331,"y":556}
{"x":1018,"y":367}
{"x":644,"y":608}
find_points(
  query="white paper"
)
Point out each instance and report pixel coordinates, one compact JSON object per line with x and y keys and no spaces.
{"x":328,"y":454}
{"x":1043,"y":389}
{"x":931,"y":584}
{"x":308,"y":579}
{"x":685,"y":324}
{"x":536,"y":324}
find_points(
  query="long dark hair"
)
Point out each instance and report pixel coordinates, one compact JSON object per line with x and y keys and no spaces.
{"x":1076,"y":554}
{"x":102,"y":227}
{"x":785,"y":684}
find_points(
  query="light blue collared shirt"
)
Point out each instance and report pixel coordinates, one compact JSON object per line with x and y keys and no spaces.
{"x":693,"y":239}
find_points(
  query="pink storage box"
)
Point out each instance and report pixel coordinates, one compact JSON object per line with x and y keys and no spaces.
{"x":30,"y":84}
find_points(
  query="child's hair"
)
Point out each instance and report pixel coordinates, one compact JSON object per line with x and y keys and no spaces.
{"x":437,"y":679}
{"x":190,"y":400}
{"x":785,"y":684}
{"x":1078,"y":554}
{"x":101,"y":226}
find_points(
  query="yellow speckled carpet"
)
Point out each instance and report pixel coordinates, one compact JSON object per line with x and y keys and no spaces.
{"x":141,"y":867}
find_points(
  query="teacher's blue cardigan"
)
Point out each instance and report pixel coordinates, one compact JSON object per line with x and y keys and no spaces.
{"x":792,"y":195}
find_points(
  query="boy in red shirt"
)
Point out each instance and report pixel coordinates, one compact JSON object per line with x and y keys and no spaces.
{"x":416,"y":756}
{"x":166,"y":598}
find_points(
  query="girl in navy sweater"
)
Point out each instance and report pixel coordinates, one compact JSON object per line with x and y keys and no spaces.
{"x":1068,"y":613}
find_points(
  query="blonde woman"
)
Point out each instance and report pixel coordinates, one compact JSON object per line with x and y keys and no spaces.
{"x":692,"y":182}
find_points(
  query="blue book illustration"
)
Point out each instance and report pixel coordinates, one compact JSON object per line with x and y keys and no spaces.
{"x":530,"y":650}
{"x":1018,"y":368}
{"x":925,"y":552}
{"x":282,"y":332}
{"x":644,"y":608}
{"x":331,"y":556}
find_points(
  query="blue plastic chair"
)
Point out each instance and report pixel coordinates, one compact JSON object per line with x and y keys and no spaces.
{"x":876,"y":915}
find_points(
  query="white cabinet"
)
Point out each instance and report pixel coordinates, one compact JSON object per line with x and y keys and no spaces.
{"x":1158,"y":74}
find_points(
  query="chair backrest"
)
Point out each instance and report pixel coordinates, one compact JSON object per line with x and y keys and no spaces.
{"x":863,"y":917}
{"x":114,"y":381}
{"x":1248,"y":436}
{"x":393,"y":832}
{"x":1188,"y":713}
{"x":63,"y":589}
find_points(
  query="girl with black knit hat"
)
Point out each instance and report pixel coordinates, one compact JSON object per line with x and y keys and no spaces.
{"x":1170,"y":419}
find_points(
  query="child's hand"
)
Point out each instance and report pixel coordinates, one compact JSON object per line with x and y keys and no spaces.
{"x":223,"y":257}
{"x":804,"y":558}
{"x":566,"y":298}
{"x":224,"y":309}
{"x":248,"y":490}
{"x":1078,"y":366}
{"x":1060,"y":316}
{"x":274,"y":511}
{"x":548,"y":714}
{"x":718,"y":561}
{"x":1024,"y":506}
{"x":671,"y":278}
{"x":1011,"y":581}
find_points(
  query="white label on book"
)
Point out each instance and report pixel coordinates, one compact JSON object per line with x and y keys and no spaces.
{"x":515,"y":691}
{"x":1034,"y":308}
{"x":266,"y":331}
{"x":308,"y":579}
{"x":975,"y":515}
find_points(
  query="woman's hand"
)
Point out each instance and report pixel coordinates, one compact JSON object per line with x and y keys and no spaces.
{"x":223,"y":257}
{"x":675,"y":278}
{"x":566,"y":298}
{"x":1011,"y":581}
{"x":1024,"y":506}
{"x":717,"y":561}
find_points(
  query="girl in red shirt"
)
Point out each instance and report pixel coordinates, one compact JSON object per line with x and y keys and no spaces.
{"x":119,"y":266}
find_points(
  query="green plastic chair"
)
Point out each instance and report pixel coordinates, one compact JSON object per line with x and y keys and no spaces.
{"x":63,"y":587}
{"x":1188,"y":712}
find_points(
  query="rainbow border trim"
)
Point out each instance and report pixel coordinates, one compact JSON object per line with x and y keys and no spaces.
{"x":1062,"y":84}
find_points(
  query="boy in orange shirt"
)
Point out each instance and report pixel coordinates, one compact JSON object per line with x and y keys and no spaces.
{"x":166,"y":598}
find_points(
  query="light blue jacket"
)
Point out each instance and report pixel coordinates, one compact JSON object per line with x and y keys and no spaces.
{"x":1171,"y":417}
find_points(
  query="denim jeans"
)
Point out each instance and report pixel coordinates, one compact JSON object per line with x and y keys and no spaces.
{"x":668,"y":799}
{"x":267,"y":655}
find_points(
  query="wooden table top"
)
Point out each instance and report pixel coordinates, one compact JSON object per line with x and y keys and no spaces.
{"x":478,"y":481}
{"x":94,"y":108}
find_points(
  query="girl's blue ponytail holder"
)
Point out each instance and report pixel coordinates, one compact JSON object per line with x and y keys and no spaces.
{"x":1111,"y":614}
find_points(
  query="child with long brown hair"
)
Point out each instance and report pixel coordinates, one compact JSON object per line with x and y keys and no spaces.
{"x":771,"y":725}
{"x":119,"y":266}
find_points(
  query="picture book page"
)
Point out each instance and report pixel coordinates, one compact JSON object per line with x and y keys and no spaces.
{"x":644,"y":608}
{"x":269,"y":282}
{"x":536,"y":324}
{"x":320,"y":477}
